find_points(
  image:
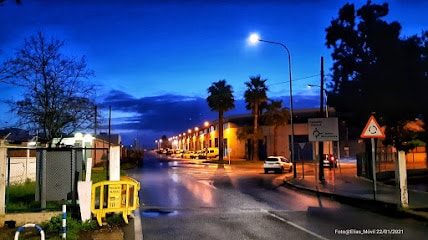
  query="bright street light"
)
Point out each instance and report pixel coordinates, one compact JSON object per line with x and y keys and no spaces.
{"x":254,"y":38}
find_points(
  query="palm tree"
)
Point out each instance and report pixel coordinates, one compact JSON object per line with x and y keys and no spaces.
{"x":220,"y":99}
{"x":255,"y":96}
{"x":276,"y":116}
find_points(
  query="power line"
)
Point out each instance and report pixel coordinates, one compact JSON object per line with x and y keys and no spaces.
{"x":296,"y":79}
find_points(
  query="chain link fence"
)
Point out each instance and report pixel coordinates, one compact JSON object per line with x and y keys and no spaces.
{"x":39,"y":179}
{"x":386,"y":158}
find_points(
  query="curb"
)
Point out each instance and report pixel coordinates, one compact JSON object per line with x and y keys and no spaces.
{"x":381,"y":207}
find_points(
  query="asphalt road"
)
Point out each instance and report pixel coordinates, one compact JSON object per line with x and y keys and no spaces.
{"x":191,"y":200}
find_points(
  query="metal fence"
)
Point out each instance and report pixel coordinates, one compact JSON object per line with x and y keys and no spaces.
{"x":40,"y":179}
{"x":386,"y":157}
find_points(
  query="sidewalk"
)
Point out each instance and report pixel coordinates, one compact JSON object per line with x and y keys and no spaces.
{"x":345,"y":186}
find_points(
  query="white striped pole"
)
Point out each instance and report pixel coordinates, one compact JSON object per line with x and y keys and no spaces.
{"x":64,"y":222}
{"x":20,"y":229}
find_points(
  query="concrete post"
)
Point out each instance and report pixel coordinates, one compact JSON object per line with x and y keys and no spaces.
{"x":3,"y":172}
{"x":114,"y":162}
{"x":84,"y":189}
{"x":401,"y":170}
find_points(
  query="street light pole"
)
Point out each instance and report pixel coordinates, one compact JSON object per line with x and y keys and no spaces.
{"x":254,"y":38}
{"x":321,"y":143}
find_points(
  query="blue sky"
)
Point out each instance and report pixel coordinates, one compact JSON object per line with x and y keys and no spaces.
{"x":155,"y":59}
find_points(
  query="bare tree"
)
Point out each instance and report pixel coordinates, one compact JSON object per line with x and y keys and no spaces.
{"x":56,"y":99}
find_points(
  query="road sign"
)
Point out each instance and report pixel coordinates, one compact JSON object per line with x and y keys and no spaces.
{"x":323,"y":129}
{"x":372,"y":129}
{"x":302,"y":145}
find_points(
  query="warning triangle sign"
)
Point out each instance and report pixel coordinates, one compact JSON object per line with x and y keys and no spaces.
{"x":372,"y":129}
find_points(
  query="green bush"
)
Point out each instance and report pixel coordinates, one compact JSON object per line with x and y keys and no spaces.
{"x":54,"y":227}
{"x":115,"y":220}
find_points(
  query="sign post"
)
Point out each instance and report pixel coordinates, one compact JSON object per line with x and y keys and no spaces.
{"x":320,"y":130}
{"x":323,"y":129}
{"x":229,"y":150}
{"x":302,"y":145}
{"x":372,"y":130}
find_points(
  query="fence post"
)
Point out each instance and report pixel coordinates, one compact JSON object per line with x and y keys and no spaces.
{"x":64,"y":221}
{"x":3,"y":167}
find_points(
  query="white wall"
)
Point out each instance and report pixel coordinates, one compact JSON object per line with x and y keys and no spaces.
{"x":21,"y":169}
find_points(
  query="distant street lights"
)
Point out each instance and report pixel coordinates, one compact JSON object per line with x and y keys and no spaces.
{"x":254,"y":38}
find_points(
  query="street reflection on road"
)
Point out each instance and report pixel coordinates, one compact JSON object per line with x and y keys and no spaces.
{"x":201,"y":191}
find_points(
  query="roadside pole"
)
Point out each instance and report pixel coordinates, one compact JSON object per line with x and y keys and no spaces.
{"x":372,"y":130}
{"x":321,"y":130}
{"x":401,"y":175}
{"x":316,"y":146}
{"x":228,"y":153}
{"x":3,"y":167}
{"x":374,"y":167}
{"x":302,"y":145}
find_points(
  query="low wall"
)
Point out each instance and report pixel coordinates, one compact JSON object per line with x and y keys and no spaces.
{"x":23,"y":218}
{"x":389,"y":176}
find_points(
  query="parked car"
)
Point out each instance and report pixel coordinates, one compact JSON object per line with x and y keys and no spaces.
{"x":277,"y":164}
{"x":188,"y":154}
{"x":159,"y":151}
{"x":177,"y":153}
{"x":201,"y":154}
{"x":211,"y":153}
{"x":330,"y":161}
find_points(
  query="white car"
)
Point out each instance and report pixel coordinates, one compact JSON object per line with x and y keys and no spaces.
{"x":277,"y":164}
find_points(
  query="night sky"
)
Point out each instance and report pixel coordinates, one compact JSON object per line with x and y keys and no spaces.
{"x":155,"y":59}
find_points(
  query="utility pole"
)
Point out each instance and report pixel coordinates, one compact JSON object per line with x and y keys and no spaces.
{"x":321,"y":143}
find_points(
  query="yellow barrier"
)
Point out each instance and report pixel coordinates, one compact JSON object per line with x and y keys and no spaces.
{"x":114,"y":196}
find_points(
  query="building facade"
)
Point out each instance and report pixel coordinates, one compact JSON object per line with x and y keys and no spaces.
{"x":237,"y":144}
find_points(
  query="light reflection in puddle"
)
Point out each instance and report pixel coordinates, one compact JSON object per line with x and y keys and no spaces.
{"x":153,"y":213}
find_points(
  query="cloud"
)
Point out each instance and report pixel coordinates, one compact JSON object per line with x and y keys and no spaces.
{"x":165,"y":114}
{"x":150,"y":118}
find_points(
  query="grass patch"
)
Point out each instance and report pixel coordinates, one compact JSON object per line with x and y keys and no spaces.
{"x":99,"y":174}
{"x":22,"y":192}
{"x":76,"y":229}
{"x":20,"y":197}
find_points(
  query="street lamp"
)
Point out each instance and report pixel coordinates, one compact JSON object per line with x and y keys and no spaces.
{"x":254,"y":38}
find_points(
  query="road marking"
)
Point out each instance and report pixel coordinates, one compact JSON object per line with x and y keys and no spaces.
{"x":296,"y":226}
{"x":138,"y":232}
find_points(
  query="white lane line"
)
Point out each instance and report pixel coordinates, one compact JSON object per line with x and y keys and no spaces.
{"x":297,"y":226}
{"x":138,"y":232}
